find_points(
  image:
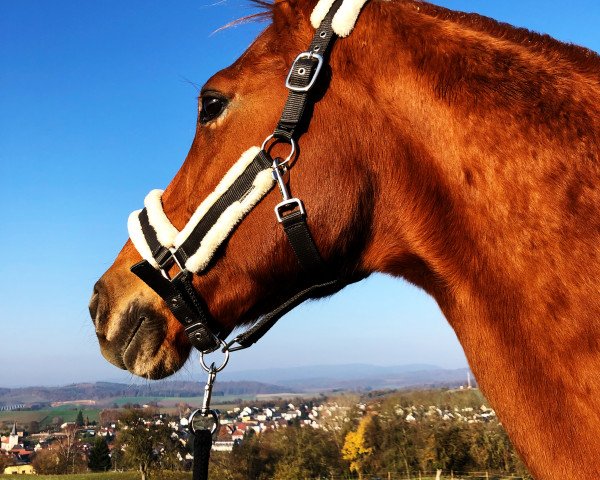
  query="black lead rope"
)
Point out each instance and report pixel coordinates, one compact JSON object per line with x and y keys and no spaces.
{"x":202,"y":445}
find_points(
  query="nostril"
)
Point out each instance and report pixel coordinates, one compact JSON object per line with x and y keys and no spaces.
{"x":93,"y":306}
{"x":95,"y":301}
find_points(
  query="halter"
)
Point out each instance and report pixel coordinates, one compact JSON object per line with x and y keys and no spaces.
{"x":192,"y":249}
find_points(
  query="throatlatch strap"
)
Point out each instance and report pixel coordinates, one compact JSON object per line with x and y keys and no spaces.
{"x":301,"y":76}
{"x":202,"y":446}
{"x":261,"y":327}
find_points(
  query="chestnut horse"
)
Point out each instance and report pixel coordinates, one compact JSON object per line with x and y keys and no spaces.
{"x":451,"y":150}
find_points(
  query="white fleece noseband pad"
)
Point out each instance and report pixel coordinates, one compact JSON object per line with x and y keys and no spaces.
{"x":169,"y":237}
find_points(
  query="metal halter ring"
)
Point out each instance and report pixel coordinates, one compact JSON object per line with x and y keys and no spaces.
{"x":212,"y":367}
{"x":278,"y":140}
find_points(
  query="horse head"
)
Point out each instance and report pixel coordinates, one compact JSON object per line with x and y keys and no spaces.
{"x":256,"y":269}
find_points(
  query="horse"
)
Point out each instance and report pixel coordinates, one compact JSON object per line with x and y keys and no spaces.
{"x":454,"y":151}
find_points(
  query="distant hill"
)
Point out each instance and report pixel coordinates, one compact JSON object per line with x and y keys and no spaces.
{"x":310,"y":379}
{"x":354,"y":376}
{"x":106,"y":390}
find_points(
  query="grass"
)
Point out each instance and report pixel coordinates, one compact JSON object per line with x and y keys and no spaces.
{"x":111,"y":476}
{"x":188,"y":476}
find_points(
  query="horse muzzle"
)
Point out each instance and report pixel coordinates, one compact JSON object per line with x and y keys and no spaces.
{"x":133,"y":335}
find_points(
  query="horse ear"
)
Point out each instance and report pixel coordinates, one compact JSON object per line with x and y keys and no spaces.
{"x":285,"y":15}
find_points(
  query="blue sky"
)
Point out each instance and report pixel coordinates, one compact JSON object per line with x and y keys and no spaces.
{"x":97,"y":107}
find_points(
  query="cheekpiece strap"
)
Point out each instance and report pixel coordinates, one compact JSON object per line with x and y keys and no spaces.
{"x":303,"y":75}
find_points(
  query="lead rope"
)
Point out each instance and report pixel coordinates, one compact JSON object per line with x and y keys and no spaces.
{"x":204,"y":422}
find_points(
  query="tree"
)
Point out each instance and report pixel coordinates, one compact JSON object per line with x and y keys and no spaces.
{"x":57,"y":421}
{"x":99,"y":460}
{"x":304,"y":452}
{"x":3,"y":462}
{"x":47,"y":462}
{"x":135,"y":441}
{"x":253,"y":459}
{"x":79,"y":419}
{"x":355,"y":447}
{"x":145,"y":445}
{"x":70,"y":458}
{"x":66,"y":457}
{"x":34,"y":427}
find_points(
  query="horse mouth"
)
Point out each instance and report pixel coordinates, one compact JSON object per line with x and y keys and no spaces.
{"x":137,"y":346}
{"x":130,"y":339}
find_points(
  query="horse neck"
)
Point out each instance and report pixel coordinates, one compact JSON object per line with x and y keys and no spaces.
{"x":488,"y":200}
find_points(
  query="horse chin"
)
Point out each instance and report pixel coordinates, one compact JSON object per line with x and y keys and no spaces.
{"x":145,"y":348}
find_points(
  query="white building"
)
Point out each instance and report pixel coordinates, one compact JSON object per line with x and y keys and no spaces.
{"x":12,"y":440}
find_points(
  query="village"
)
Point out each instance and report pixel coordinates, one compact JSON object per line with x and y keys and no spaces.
{"x":19,"y":448}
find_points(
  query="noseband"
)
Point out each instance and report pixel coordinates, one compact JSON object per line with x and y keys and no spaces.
{"x":191,"y":250}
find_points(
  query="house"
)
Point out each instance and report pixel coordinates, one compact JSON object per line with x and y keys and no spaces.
{"x":19,"y":470}
{"x":224,"y":441}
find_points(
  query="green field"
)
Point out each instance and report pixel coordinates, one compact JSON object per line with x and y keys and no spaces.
{"x":44,"y":417}
{"x":173,"y":401}
{"x":68,"y":413}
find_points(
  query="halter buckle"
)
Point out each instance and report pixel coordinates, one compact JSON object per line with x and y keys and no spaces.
{"x":168,"y":262}
{"x":313,"y":79}
{"x":289,"y":204}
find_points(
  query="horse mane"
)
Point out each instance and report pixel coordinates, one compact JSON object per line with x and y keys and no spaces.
{"x":584,"y":59}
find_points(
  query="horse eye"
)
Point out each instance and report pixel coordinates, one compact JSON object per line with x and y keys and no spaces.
{"x":211,"y":107}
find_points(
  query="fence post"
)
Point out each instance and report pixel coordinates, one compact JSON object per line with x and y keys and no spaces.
{"x":487,"y":477}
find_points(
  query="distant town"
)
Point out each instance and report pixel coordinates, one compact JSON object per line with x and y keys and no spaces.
{"x":266,"y":429}
{"x":26,"y":442}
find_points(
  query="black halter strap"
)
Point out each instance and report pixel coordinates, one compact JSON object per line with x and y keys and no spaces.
{"x":303,"y":76}
{"x":180,"y":296}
